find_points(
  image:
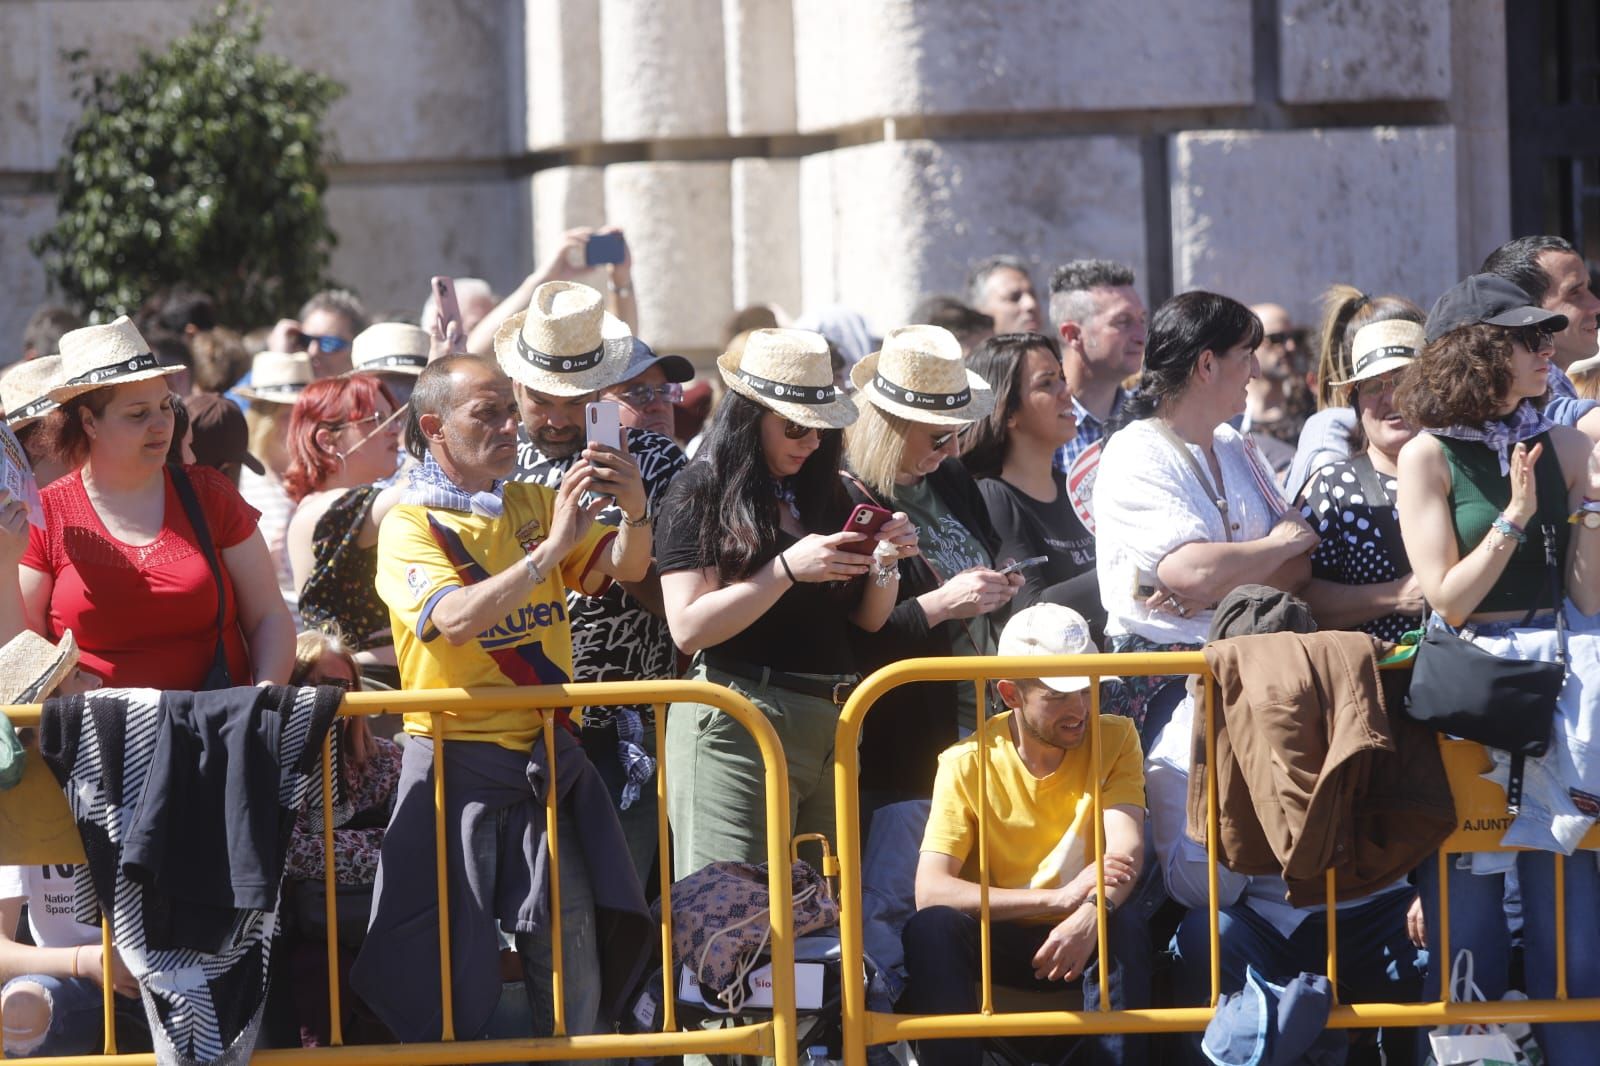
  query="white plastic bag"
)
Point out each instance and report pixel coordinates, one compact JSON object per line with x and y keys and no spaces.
{"x":1480,"y":1045}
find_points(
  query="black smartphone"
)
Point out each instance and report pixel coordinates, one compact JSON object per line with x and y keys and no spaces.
{"x":604,"y":248}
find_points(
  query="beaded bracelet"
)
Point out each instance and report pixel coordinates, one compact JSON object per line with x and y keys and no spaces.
{"x":1509,"y":529}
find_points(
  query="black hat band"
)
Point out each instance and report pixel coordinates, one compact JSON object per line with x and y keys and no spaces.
{"x":1388,"y":351}
{"x":289,"y":388}
{"x":928,"y":401}
{"x":394,"y":360}
{"x":783,"y":392}
{"x":32,"y":409}
{"x":560,"y":364}
{"x":132,"y":365}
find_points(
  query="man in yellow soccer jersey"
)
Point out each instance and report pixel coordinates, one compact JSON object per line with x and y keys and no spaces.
{"x":475,"y":571}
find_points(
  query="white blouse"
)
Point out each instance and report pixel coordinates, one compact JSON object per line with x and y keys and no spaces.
{"x":1148,"y":502}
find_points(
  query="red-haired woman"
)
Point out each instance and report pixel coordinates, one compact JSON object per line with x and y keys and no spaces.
{"x":342,"y":439}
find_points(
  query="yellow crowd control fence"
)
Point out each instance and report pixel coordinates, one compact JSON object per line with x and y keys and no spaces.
{"x":1480,"y":815}
{"x":36,"y":828}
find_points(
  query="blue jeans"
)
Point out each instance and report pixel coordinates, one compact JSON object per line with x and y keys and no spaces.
{"x":580,"y":949}
{"x":1478,"y":923}
{"x":943,"y":969}
{"x":1377,"y":961}
{"x":74,"y":1026}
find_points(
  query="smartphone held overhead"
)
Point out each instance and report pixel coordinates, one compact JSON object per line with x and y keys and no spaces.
{"x":600,"y":249}
{"x":448,"y":307}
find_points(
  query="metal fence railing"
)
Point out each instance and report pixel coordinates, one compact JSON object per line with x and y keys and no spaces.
{"x":1479,"y":804}
{"x":36,"y":828}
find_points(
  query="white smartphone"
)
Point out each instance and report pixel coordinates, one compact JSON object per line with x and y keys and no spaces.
{"x":602,"y":422}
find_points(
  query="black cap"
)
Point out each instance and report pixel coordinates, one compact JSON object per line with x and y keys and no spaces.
{"x":1487,"y":299}
{"x":676,"y":367}
{"x":220,"y":433}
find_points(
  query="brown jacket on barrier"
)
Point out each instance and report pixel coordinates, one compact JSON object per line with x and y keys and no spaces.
{"x":1312,"y":772}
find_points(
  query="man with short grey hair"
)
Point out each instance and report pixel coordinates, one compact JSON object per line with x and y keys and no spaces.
{"x":1001,"y":288}
{"x":1100,"y":320}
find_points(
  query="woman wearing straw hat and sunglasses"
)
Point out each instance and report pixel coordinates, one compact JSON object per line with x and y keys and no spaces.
{"x":343,"y":436}
{"x":758,"y":585}
{"x":119,"y":561}
{"x":917,"y":397}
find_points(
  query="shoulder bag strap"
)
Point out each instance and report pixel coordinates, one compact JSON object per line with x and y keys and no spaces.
{"x":1219,"y":501}
{"x":1553,"y":572}
{"x":202,"y":532}
{"x":1377,"y":498}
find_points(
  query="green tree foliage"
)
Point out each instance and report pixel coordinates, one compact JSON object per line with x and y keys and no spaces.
{"x":202,"y":165}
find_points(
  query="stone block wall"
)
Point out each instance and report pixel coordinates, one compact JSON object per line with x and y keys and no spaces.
{"x":812,"y":152}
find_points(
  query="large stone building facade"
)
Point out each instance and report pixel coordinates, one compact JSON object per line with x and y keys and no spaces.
{"x":857,"y":152}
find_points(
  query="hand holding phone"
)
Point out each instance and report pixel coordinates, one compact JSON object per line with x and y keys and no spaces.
{"x":868,"y":520}
{"x":604,"y":248}
{"x":1023,"y":564}
{"x":447,"y":307}
{"x":602,"y":422}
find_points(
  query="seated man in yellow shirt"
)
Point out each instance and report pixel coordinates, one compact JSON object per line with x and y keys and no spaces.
{"x":1041,"y":852}
{"x":475,"y":571}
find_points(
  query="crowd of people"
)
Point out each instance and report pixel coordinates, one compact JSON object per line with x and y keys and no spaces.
{"x":434,"y":505}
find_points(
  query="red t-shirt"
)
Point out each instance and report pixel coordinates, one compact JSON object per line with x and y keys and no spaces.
{"x":143,"y":616}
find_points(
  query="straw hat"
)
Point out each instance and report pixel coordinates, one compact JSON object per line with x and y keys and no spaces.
{"x":97,"y":356}
{"x":390,"y":348}
{"x":22,"y":390}
{"x":919,"y":374}
{"x":790,"y":372}
{"x":565,"y":343}
{"x":1381,"y":347}
{"x":31,"y":667}
{"x":277,"y":377}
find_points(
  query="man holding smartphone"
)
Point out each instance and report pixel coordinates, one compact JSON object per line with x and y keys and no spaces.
{"x":622,"y":634}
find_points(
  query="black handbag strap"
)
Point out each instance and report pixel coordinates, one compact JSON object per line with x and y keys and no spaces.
{"x":202,"y":532}
{"x":1553,"y":573}
{"x":1377,"y":498}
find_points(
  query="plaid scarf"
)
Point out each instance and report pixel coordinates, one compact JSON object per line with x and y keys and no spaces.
{"x":429,"y":486}
{"x":1502,"y":433}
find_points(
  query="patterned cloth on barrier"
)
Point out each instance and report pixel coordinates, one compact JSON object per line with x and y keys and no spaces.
{"x":104,"y":747}
{"x":720,"y":924}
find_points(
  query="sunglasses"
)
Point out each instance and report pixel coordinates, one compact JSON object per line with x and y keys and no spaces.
{"x":1534,"y":338}
{"x":645,"y":395}
{"x":325,"y":343}
{"x":942,"y":439}
{"x":795,"y":431}
{"x":1285,"y":336}
{"x":374,"y":419}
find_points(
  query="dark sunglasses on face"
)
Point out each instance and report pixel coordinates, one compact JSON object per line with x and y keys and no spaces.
{"x":645,"y":395}
{"x":940,"y":440}
{"x":1534,"y":338}
{"x":1284,"y":336}
{"x":325,"y":343}
{"x":795,"y":431}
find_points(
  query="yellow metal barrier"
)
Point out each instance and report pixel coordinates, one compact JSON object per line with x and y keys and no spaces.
{"x":36,"y":828}
{"x":1479,"y":807}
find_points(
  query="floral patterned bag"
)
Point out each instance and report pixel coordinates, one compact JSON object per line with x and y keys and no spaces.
{"x":720,"y":922}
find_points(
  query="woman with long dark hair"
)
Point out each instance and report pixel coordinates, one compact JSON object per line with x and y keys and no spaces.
{"x":1010,"y":452}
{"x":758,"y":586}
{"x":1185,"y":508}
{"x":1489,"y":493}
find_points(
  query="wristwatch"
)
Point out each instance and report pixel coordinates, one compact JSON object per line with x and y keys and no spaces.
{"x":1587,"y":518}
{"x":1094,"y":897}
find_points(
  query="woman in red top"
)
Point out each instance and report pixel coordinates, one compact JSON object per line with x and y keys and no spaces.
{"x":118,"y":561}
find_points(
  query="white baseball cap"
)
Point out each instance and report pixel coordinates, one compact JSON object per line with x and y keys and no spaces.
{"x":1049,"y":629}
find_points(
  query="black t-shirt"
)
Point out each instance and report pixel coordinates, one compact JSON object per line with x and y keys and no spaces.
{"x":1028,"y":528}
{"x":806,"y":631}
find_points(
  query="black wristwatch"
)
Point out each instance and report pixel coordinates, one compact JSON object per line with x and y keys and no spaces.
{"x":1111,"y":905}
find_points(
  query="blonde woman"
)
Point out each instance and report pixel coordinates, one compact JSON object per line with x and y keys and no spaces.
{"x":276,"y":382}
{"x":916,"y":396}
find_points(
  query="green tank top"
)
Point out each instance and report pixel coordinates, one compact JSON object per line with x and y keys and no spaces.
{"x":1479,"y":492}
